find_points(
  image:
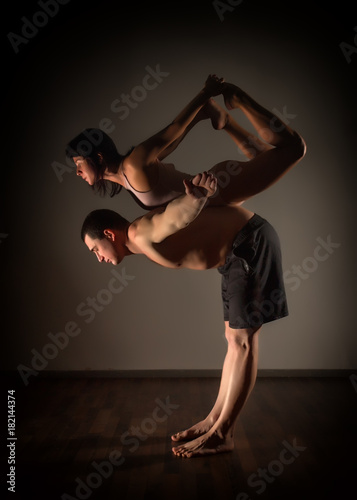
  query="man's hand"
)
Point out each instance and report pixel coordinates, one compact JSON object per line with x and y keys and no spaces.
{"x":214,"y":85}
{"x":201,"y":186}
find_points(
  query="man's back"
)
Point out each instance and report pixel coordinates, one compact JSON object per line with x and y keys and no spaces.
{"x":203,"y":244}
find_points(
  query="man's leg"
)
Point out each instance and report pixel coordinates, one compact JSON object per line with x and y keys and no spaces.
{"x":206,"y":424}
{"x":238,"y":379}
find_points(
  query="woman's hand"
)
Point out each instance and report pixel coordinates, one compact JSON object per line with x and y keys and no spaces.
{"x":214,"y":85}
{"x":202,"y":185}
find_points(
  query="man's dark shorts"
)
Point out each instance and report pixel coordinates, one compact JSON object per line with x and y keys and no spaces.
{"x":253,"y":290}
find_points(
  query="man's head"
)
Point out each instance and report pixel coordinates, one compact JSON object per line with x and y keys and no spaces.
{"x":105,"y":233}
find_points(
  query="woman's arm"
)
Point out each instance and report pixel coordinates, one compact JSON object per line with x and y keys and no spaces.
{"x":138,"y":165}
{"x":171,"y":147}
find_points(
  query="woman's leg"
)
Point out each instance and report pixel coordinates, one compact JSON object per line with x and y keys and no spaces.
{"x":250,"y":145}
{"x":238,"y":181}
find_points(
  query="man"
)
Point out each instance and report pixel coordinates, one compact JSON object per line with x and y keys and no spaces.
{"x":244,"y":248}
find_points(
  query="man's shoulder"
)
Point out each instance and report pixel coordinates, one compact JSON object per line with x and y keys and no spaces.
{"x":142,"y":227}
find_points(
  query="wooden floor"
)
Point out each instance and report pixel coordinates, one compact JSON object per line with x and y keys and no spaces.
{"x":296,"y":439}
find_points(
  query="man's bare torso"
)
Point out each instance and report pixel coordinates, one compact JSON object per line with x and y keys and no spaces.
{"x":204,"y":244}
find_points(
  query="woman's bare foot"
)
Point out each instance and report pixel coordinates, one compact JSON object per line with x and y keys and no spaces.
{"x":213,"y":111}
{"x":195,"y":431}
{"x":211,"y":443}
{"x":233,"y":96}
{"x":218,"y":116}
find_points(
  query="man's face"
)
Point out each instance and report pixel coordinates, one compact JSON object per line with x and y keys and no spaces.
{"x":106,"y":249}
{"x":85,"y":169}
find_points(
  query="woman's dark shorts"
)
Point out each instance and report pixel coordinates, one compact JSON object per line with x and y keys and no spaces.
{"x":253,"y":290}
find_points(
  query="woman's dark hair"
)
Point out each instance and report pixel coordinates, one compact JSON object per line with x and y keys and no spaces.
{"x":100,"y":151}
{"x":97,"y":221}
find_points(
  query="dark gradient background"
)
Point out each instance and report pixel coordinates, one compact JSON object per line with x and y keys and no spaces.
{"x":287,"y":56}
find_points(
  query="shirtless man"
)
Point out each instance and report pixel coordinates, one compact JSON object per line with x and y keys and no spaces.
{"x":244,"y":248}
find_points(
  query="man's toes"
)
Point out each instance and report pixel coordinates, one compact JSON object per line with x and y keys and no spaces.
{"x":179,"y":436}
{"x":179,"y":452}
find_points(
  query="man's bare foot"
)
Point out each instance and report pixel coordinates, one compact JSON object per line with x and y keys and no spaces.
{"x":211,"y":443}
{"x":193,"y":432}
{"x":233,"y":96}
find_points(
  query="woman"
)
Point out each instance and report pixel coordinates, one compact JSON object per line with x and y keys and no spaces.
{"x":154,"y":183}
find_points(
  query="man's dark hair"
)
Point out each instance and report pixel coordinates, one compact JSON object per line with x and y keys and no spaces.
{"x":97,"y":221}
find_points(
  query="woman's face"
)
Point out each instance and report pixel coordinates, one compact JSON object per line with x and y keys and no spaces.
{"x":85,"y":169}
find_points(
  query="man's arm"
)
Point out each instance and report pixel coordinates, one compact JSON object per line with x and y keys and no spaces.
{"x":180,"y":212}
